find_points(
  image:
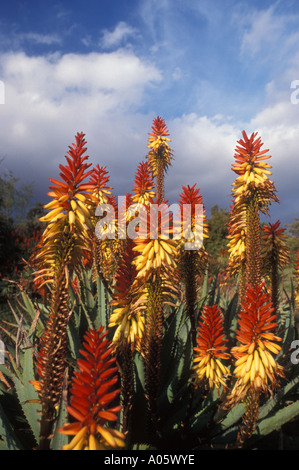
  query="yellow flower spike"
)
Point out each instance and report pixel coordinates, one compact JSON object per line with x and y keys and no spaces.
{"x":210,"y":349}
{"x":252,"y":192}
{"x":159,"y":156}
{"x":256,"y":370}
{"x":99,"y":406}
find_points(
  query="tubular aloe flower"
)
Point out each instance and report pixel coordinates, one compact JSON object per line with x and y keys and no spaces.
{"x":237,"y":238}
{"x":92,"y":393}
{"x":143,"y":194}
{"x":255,"y":368}
{"x":68,"y":219}
{"x":143,"y":185}
{"x":275,"y":255}
{"x":156,"y":251}
{"x":159,"y":156}
{"x":211,"y":349}
{"x":128,"y":322}
{"x":128,"y":316}
{"x":192,"y":217}
{"x":191,"y":262}
{"x":250,"y":166}
{"x":105,"y":249}
{"x":98,"y":181}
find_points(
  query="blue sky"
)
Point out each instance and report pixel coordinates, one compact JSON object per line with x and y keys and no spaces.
{"x":209,"y":68}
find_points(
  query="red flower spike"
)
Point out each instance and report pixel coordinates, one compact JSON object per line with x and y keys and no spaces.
{"x":92,"y":391}
{"x":210,"y":349}
{"x":144,"y":185}
{"x":255,"y":367}
{"x":159,"y":128}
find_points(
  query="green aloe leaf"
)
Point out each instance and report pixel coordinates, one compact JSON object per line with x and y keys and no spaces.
{"x":59,"y":440}
{"x":274,"y":422}
{"x":272,"y":402}
{"x":27,"y":394}
{"x":227,"y":419}
{"x":7,"y":434}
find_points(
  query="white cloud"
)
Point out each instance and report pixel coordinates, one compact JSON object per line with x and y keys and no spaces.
{"x":14,"y":40}
{"x":117,"y":72}
{"x":264,"y":31}
{"x":49,"y":99}
{"x":203,"y":154}
{"x":111,"y":39}
{"x":46,"y":39}
{"x":268,"y":32}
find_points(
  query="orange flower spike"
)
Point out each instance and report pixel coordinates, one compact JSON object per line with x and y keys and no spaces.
{"x":250,"y":165}
{"x":190,"y":198}
{"x":274,"y":239}
{"x":255,"y":366}
{"x":75,"y":171}
{"x":296,"y":273}
{"x":155,"y":251}
{"x":100,"y":193}
{"x":70,"y":194}
{"x":275,"y":254}
{"x":128,"y":316}
{"x":98,"y":181}
{"x":92,"y":392}
{"x":159,"y":156}
{"x":159,"y":128}
{"x":210,"y":349}
{"x":158,"y":140}
{"x":143,"y":185}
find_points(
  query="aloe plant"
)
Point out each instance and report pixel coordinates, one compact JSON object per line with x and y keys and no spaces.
{"x":138,"y":294}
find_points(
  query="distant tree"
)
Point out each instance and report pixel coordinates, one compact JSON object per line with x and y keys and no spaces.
{"x":218,"y":232}
{"x":14,"y":197}
{"x":18,"y":226}
{"x":293,"y":238}
{"x":32,"y":223}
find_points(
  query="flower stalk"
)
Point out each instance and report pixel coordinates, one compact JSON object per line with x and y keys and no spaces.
{"x":252,"y":193}
{"x":59,"y":253}
{"x":159,"y":156}
{"x":275,"y":256}
{"x":210,"y":350}
{"x":94,"y":395}
{"x":256,"y":370}
{"x":191,"y":262}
